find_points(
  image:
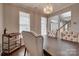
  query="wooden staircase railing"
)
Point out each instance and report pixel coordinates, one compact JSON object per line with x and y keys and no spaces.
{"x":58,"y":30}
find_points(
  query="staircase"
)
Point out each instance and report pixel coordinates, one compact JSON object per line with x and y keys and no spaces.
{"x":64,"y":28}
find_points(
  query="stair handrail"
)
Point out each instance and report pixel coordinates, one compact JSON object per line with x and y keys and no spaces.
{"x":62,"y":27}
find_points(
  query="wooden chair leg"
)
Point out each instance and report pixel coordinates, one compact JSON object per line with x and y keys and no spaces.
{"x":25,"y":52}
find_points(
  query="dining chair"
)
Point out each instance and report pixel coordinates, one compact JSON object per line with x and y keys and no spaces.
{"x":33,"y":43}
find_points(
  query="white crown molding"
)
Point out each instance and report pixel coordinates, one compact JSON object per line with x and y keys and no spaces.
{"x":63,"y":8}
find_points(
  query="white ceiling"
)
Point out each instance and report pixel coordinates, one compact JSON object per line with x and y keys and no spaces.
{"x":40,"y":6}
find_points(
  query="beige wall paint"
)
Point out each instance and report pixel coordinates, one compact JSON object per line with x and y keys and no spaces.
{"x":1,"y":23}
{"x":11,"y":18}
{"x":36,"y":23}
{"x":75,"y":18}
{"x":11,"y":14}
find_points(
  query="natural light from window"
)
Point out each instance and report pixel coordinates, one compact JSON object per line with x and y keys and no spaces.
{"x":43,"y":26}
{"x":24,"y":21}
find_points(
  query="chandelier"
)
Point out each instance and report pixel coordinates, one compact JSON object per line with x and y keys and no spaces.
{"x":48,"y":9}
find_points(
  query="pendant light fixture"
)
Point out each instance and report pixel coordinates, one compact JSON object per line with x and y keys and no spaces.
{"x":48,"y":9}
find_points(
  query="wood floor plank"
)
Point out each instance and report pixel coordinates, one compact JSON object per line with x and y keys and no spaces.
{"x":64,"y":48}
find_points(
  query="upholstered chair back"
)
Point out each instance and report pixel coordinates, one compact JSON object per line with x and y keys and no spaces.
{"x":33,"y":43}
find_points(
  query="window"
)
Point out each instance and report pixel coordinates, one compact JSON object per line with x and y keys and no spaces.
{"x":24,"y":21}
{"x":43,"y":26}
{"x":54,"y":21}
{"x":66,"y":16}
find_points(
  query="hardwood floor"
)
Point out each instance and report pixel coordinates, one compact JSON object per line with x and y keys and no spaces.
{"x":19,"y":52}
{"x":63,"y":48}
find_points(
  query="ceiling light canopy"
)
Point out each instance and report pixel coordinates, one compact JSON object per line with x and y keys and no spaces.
{"x":48,"y":9}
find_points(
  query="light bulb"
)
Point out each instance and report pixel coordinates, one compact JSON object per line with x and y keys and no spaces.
{"x":48,"y":9}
